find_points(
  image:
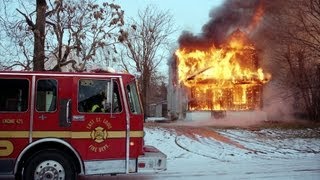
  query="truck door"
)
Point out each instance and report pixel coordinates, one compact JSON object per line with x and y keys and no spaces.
{"x":99,"y":123}
{"x":51,"y":96}
{"x":14,"y":119}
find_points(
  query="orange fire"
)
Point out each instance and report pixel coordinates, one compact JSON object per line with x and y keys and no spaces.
{"x":225,"y":78}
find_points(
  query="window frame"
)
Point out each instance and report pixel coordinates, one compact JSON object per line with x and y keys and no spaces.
{"x":109,"y":79}
{"x":136,"y":98}
{"x":56,"y":97}
{"x":27,"y":100}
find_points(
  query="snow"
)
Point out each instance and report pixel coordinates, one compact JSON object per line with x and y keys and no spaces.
{"x":207,"y":153}
{"x":154,"y":119}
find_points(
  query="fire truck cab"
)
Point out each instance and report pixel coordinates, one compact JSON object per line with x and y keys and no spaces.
{"x":56,"y":125}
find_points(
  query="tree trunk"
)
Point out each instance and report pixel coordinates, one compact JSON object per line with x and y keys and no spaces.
{"x":317,"y":95}
{"x":39,"y":36}
{"x":144,"y":91}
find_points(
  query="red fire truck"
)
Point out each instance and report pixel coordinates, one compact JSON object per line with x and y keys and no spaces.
{"x":56,"y":125}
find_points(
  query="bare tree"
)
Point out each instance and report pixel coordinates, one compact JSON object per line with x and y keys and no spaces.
{"x":147,"y":40}
{"x":75,"y":30}
{"x":39,"y":36}
{"x":294,"y":29}
{"x":83,"y":27}
{"x":16,"y":38}
{"x":38,"y":30}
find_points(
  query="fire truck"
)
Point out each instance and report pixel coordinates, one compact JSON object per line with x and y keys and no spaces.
{"x":56,"y":125}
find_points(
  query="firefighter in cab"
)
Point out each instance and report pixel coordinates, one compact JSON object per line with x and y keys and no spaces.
{"x":99,"y":103}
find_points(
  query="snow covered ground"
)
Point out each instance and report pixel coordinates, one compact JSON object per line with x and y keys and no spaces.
{"x":205,"y":153}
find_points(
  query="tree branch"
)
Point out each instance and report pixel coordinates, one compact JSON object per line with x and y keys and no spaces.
{"x":28,"y":20}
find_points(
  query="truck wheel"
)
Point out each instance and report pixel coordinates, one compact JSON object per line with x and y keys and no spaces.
{"x":49,"y":165}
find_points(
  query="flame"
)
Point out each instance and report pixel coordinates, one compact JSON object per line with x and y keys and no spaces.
{"x":225,"y":78}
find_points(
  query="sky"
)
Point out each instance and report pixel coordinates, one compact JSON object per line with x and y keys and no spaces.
{"x":188,"y":15}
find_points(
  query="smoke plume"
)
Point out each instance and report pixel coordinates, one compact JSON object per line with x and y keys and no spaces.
{"x":232,"y":15}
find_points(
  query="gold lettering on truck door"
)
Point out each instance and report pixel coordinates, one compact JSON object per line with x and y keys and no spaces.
{"x":6,"y":148}
{"x":99,"y":133}
{"x":12,"y":121}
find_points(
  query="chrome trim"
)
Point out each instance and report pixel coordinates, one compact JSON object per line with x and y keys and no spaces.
{"x":68,"y":111}
{"x":109,"y":166}
{"x":126,"y":107}
{"x":111,"y":108}
{"x":49,"y":140}
{"x":49,"y":169}
{"x":32,"y":91}
{"x":89,"y":74}
{"x":155,"y":161}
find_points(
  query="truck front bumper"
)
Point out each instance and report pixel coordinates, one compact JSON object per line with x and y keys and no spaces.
{"x":153,"y":160}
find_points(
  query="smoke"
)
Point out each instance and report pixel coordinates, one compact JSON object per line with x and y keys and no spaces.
{"x":278,"y":103}
{"x":232,"y":15}
{"x":231,"y":119}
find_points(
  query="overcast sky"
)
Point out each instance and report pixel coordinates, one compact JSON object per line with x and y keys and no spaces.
{"x":188,"y":15}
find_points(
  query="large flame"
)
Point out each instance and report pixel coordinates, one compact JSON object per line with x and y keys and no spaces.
{"x":225,"y":78}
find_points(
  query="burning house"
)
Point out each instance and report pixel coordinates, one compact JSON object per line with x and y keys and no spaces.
{"x":214,"y":75}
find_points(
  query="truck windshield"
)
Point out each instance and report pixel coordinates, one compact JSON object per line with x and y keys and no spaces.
{"x":134,"y":100}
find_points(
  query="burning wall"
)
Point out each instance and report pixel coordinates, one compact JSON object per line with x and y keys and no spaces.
{"x":224,"y":78}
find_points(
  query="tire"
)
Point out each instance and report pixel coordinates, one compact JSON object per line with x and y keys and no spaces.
{"x":49,"y":164}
